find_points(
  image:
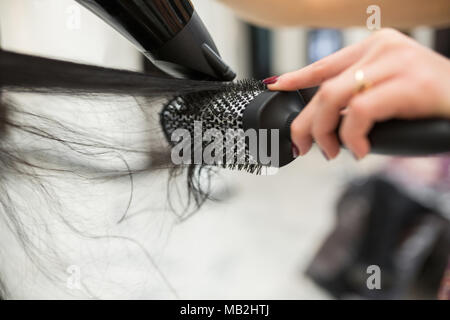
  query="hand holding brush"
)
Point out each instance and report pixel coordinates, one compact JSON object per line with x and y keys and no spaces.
{"x":387,"y":76}
{"x":364,"y":102}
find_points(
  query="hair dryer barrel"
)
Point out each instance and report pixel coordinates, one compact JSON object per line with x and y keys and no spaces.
{"x":169,"y":32}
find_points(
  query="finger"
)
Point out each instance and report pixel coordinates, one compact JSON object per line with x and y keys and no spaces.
{"x":301,"y":131}
{"x":334,"y":95}
{"x":390,"y":99}
{"x":319,"y":71}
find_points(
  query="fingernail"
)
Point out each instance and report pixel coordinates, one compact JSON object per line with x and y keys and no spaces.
{"x":295,"y":152}
{"x":324,"y":155}
{"x":270,"y":80}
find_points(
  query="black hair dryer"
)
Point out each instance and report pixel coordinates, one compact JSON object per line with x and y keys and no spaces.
{"x":168,"y":32}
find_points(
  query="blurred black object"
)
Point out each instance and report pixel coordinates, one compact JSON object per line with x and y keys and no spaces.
{"x":442,"y":41}
{"x":260,"y":52}
{"x":378,"y":224}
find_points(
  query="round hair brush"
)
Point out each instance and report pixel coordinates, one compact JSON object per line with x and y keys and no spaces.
{"x":244,"y":126}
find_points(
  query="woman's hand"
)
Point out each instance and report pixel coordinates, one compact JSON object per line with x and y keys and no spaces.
{"x":406,"y":80}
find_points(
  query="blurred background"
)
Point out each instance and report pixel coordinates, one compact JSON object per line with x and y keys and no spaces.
{"x":260,"y":240}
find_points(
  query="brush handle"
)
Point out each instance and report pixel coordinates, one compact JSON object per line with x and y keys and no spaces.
{"x":277,"y":110}
{"x":411,"y":137}
{"x":404,"y":137}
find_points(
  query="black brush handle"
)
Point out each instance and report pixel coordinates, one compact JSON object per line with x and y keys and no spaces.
{"x":404,"y":137}
{"x":411,"y":137}
{"x":277,"y":110}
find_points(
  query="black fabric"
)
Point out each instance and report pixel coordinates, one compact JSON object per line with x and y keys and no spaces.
{"x":378,"y":224}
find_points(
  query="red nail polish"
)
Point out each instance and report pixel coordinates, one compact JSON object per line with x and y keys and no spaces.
{"x":295,"y":152}
{"x":271,"y":80}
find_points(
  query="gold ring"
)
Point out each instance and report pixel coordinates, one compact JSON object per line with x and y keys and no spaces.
{"x":361,"y":83}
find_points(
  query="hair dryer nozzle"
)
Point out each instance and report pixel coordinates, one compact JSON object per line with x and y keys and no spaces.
{"x":169,"y":33}
{"x":193,"y":54}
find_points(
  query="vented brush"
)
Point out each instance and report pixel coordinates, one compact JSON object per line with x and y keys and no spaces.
{"x":247,"y":105}
{"x":220,"y":110}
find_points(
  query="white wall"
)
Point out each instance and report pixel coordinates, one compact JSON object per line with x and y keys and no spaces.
{"x":63,"y":29}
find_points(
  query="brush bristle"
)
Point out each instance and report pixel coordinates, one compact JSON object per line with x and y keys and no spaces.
{"x":221,"y":110}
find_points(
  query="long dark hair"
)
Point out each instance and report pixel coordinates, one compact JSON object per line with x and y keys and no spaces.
{"x":21,"y":73}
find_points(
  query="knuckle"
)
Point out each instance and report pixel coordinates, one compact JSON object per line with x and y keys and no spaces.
{"x":387,"y":44}
{"x":358,"y":107}
{"x":319,"y":70}
{"x":297,"y":128}
{"x":419,"y":103}
{"x":389,"y":39}
{"x":426,"y":81}
{"x":390,"y":31}
{"x":325,"y":92}
{"x":300,"y":127}
{"x":408,"y":57}
{"x":386,"y":33}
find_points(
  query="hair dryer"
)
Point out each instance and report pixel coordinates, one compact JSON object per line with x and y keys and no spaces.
{"x":168,"y":32}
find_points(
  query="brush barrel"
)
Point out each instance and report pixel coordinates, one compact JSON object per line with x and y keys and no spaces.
{"x":276,"y":110}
